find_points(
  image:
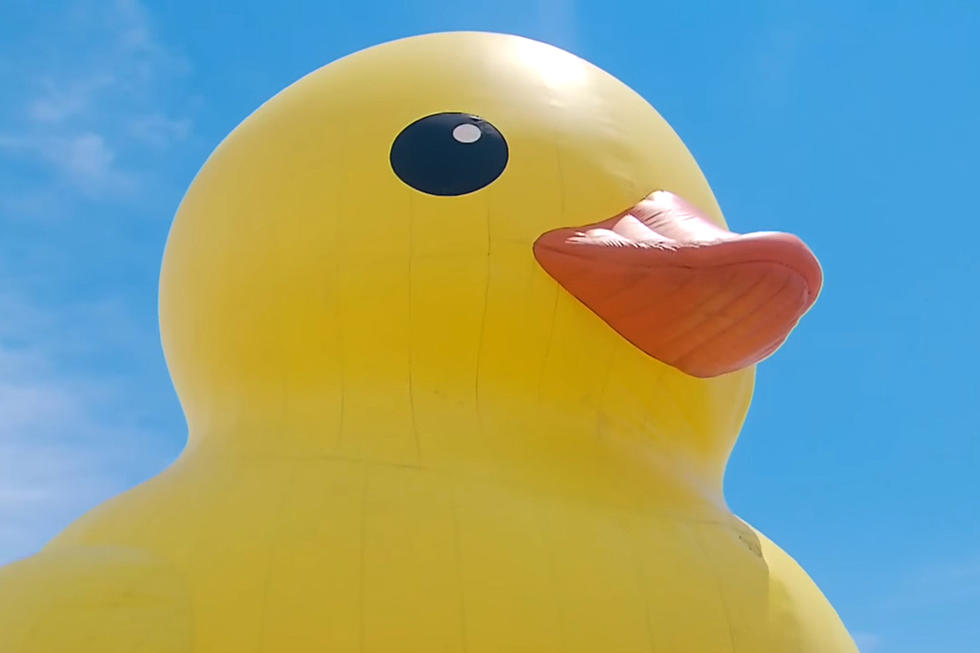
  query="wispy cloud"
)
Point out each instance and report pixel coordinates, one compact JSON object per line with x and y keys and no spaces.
{"x":44,"y":487}
{"x":85,"y":118}
{"x":57,"y":102}
{"x":158,"y":130}
{"x":68,"y":438}
{"x":47,"y":474}
{"x":94,"y":102}
{"x":81,"y":158}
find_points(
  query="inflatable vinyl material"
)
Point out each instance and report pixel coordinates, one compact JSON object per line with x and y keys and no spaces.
{"x":683,"y":289}
{"x":464,"y":344}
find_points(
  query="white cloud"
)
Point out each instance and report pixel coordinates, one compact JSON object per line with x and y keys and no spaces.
{"x":68,"y":440}
{"x":158,"y":130}
{"x":82,"y":159}
{"x":44,"y":487}
{"x":49,"y":472}
{"x":61,"y":100}
{"x":23,"y":404}
{"x":95,"y":94}
{"x":94,"y":99}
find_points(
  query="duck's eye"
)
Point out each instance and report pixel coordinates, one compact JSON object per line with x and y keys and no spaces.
{"x":449,"y":154}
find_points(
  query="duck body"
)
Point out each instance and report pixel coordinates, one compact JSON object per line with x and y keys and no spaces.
{"x":352,"y":556}
{"x":412,"y":427}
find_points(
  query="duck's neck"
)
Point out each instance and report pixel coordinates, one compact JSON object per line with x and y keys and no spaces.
{"x":621,"y":442}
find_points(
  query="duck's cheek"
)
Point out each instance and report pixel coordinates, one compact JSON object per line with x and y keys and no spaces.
{"x":687,"y":292}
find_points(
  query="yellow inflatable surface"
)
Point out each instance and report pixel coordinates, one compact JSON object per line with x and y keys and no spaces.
{"x":463,"y":345}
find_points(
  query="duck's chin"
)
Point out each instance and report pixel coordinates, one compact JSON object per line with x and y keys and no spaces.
{"x":687,"y":292}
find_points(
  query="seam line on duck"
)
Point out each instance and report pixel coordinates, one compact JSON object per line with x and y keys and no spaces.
{"x":482,"y":336}
{"x":411,"y":329}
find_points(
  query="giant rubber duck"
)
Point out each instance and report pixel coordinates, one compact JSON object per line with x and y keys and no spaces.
{"x":463,"y":342}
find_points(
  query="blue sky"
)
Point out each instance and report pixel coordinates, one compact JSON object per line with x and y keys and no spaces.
{"x":849,"y":124}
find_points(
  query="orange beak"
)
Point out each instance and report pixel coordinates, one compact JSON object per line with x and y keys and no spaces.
{"x":684,"y":290}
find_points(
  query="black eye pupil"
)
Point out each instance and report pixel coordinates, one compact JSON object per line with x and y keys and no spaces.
{"x":449,"y":154}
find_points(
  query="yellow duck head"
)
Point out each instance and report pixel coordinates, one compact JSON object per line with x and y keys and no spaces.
{"x":451,"y":247}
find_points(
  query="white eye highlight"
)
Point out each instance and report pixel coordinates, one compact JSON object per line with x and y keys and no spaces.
{"x":467,"y":133}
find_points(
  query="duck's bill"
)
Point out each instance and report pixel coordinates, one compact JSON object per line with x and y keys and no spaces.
{"x":684,"y":290}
